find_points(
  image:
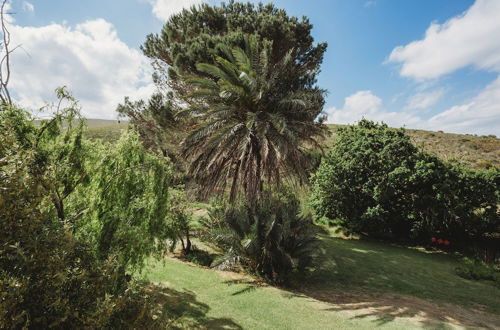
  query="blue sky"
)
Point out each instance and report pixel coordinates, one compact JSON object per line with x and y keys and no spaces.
{"x":431,"y":64}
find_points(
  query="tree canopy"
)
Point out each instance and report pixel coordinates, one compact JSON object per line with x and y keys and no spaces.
{"x":193,"y":36}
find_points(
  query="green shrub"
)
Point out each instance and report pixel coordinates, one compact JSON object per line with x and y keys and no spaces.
{"x":379,"y":184}
{"x":50,"y":280}
{"x":179,"y":221}
{"x":477,"y":270}
{"x":125,"y":204}
{"x":52,"y":274}
{"x":272,"y":240}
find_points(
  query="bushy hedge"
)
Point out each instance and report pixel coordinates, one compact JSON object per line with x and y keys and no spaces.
{"x":376,"y":182}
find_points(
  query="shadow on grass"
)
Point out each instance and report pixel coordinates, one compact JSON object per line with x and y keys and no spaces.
{"x":250,"y":285}
{"x":386,"y":308}
{"x":382,"y":283}
{"x":184,"y":311}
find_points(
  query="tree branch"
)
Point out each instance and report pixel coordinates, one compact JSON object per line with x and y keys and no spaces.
{"x":5,"y":62}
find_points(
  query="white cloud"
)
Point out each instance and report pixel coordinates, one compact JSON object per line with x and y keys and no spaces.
{"x":465,"y":40}
{"x":89,"y":59}
{"x":7,"y":9}
{"x":163,"y":9}
{"x":479,"y":116}
{"x":424,"y":100}
{"x":28,"y":6}
{"x":364,"y":104}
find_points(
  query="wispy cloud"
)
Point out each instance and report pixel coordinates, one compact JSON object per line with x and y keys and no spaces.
{"x":28,"y":6}
{"x":467,"y":40}
{"x":424,"y":100}
{"x":480,"y":115}
{"x":370,"y":3}
{"x":163,"y":9}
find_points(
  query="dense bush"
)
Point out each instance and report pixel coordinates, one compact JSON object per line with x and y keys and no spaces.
{"x":179,"y":221}
{"x":376,"y":182}
{"x":52,"y":274}
{"x":272,"y":240}
{"x":123,"y":209}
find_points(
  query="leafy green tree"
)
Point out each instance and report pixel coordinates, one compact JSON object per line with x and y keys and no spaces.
{"x":201,"y":35}
{"x":127,"y":200}
{"x":376,"y":182}
{"x":160,"y":127}
{"x":60,"y":153}
{"x":251,"y":128}
{"x":179,"y":221}
{"x":48,"y":277}
{"x":193,"y":36}
{"x":56,"y":147}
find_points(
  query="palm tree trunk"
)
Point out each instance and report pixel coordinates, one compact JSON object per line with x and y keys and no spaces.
{"x":234,"y":185}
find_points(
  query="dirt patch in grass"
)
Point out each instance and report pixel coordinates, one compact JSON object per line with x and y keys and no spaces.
{"x":386,"y":308}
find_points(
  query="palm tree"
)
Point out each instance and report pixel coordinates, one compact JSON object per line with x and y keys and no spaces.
{"x":274,"y":240}
{"x":252,"y":127}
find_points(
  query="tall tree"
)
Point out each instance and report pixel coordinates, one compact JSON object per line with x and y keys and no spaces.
{"x":193,"y":36}
{"x":252,"y":128}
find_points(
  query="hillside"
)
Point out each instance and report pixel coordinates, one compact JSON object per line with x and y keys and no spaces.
{"x":472,"y":150}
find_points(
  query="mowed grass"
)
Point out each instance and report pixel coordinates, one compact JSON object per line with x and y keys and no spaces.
{"x":237,"y":304}
{"x":360,"y":285}
{"x":379,"y":268}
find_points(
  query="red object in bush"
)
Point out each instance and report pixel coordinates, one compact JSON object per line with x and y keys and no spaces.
{"x":440,"y":241}
{"x":446,"y":242}
{"x":434,"y":239}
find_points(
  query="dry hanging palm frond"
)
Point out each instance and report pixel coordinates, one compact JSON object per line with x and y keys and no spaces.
{"x":252,"y":128}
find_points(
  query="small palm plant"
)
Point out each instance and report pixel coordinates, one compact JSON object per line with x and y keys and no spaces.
{"x":253,"y":128}
{"x":272,"y":240}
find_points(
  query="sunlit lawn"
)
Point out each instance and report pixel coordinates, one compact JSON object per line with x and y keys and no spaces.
{"x":361,"y":285}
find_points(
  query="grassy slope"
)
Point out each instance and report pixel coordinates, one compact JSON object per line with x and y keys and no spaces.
{"x":356,"y":274}
{"x":474,"y":151}
{"x":235,"y":305}
{"x":362,"y":284}
{"x":382,"y":268}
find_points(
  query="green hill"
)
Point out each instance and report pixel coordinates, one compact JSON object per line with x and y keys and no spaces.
{"x":472,"y":150}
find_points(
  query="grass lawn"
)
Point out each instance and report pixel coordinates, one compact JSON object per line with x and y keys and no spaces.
{"x":382,"y":268}
{"x":361,"y":285}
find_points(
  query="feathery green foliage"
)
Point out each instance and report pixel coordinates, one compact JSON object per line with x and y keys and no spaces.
{"x":49,"y":278}
{"x":127,"y":200}
{"x":159,"y":125}
{"x":179,"y":221}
